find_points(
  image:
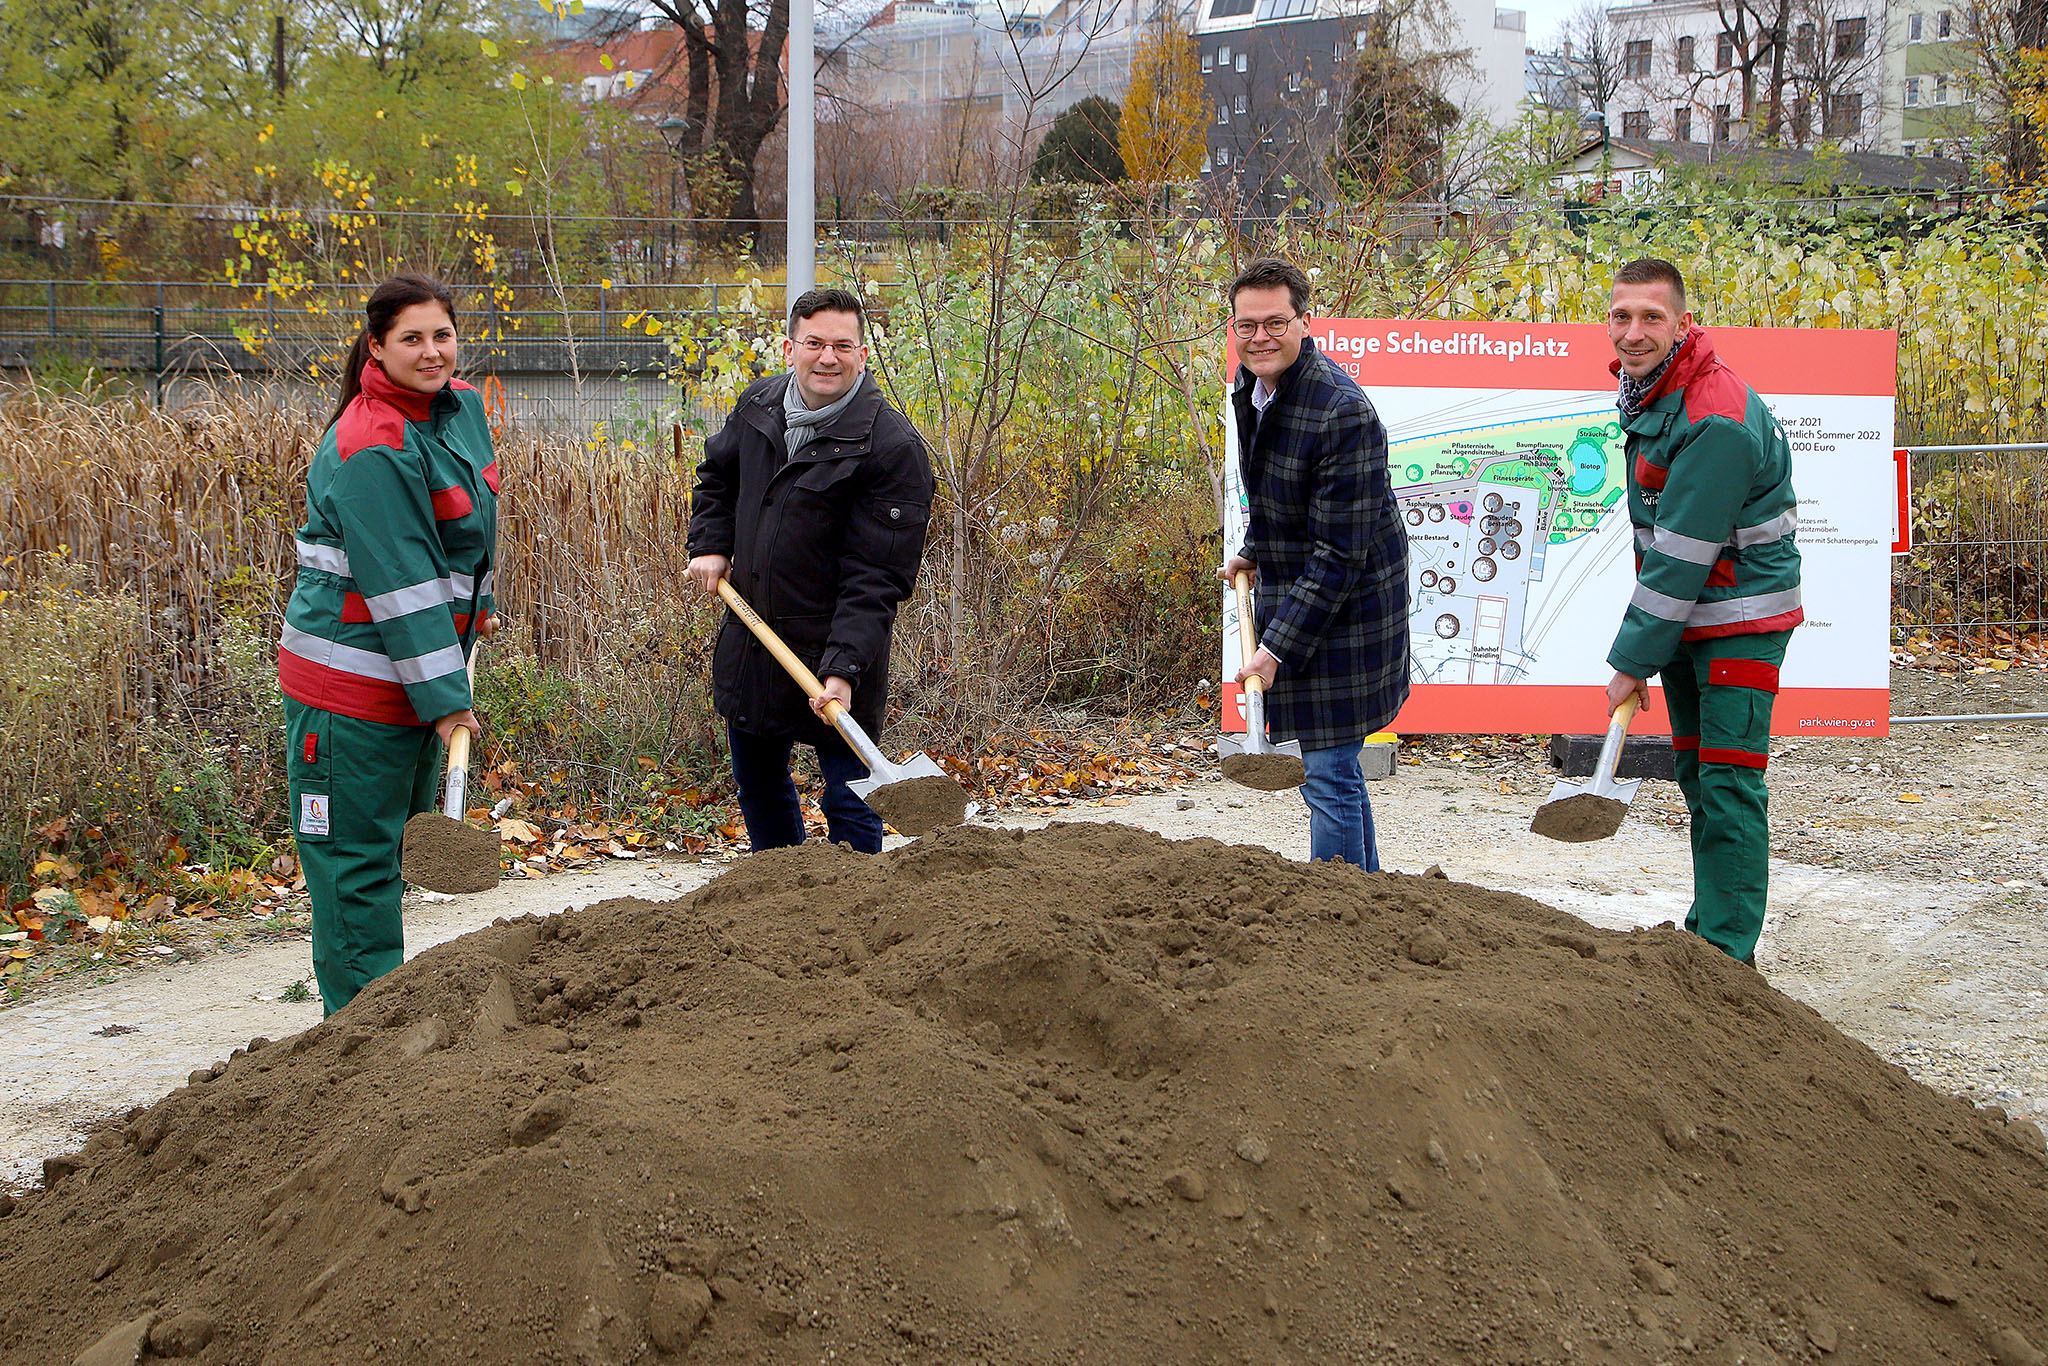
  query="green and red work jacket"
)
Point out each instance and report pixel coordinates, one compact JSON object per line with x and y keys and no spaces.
{"x":396,"y":557}
{"x":1710,"y":494}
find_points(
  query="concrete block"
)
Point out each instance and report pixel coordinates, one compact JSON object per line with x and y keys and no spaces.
{"x":1377,"y":757}
{"x":1642,"y":756}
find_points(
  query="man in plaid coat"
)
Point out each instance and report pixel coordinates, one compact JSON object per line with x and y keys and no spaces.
{"x":1327,"y":548}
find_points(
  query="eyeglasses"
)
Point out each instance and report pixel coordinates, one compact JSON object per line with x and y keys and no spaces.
{"x":1247,"y":328}
{"x":815,"y":346}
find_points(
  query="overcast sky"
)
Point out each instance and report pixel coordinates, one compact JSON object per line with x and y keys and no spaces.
{"x":1545,"y":18}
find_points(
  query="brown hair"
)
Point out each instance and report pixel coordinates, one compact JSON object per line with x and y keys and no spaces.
{"x":815,"y":301}
{"x":387,"y":301}
{"x":1654,"y":270}
{"x":1270,"y":272}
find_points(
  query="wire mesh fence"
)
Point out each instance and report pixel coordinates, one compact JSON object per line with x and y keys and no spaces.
{"x":566,"y":358}
{"x":1973,"y":578}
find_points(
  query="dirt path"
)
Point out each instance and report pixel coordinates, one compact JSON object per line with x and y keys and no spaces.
{"x":1916,"y":926}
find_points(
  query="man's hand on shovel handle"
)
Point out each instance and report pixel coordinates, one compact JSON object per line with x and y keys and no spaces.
{"x":1263,"y":664}
{"x":446,"y":726}
{"x":837,"y":690}
{"x":1235,"y":565}
{"x":706,"y":570}
{"x":1621,"y":686}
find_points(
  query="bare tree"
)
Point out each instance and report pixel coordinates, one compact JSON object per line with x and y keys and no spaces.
{"x":1592,"y":53}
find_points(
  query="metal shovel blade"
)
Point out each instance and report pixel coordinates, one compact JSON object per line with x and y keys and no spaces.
{"x":1255,"y":761}
{"x":915,"y":796}
{"x":1580,"y":812}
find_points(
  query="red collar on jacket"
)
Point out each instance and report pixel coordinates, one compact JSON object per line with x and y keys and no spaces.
{"x":1695,"y":358}
{"x":376,"y":384}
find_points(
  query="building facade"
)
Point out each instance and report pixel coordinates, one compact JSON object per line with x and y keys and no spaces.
{"x":1277,"y":73}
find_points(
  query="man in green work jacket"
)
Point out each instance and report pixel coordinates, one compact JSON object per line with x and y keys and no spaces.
{"x":1717,"y":584}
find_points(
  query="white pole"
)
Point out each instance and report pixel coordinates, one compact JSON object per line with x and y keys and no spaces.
{"x":803,"y":157}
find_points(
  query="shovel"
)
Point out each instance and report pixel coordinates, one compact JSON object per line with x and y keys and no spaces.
{"x":1592,"y":810}
{"x":915,"y":796}
{"x":443,"y":852}
{"x":1256,"y":761}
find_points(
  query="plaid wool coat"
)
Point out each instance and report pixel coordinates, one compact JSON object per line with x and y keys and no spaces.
{"x":1331,"y":601}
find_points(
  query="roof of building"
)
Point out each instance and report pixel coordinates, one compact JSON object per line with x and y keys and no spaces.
{"x":1839,"y":169}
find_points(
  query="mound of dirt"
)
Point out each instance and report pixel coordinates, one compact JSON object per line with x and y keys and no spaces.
{"x":918,"y":806}
{"x":1078,"y":1095}
{"x":1266,"y":772}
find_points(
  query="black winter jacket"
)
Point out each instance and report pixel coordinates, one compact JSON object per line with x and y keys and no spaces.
{"x":824,"y":547}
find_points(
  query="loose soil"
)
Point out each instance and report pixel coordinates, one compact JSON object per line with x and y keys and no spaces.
{"x":1264,"y":772}
{"x":1074,"y":1094}
{"x":918,"y":806}
{"x":1575,"y":820}
{"x":450,"y":856}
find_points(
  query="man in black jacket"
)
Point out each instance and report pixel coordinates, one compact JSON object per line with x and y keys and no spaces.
{"x":813,"y":499}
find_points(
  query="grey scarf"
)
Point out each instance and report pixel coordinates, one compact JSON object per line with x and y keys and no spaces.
{"x":803,"y":423}
{"x":1634,"y":391}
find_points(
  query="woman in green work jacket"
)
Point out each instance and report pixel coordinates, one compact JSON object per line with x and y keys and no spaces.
{"x":396,"y":564}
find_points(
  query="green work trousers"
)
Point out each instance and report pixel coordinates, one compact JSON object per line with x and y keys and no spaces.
{"x":354,"y":785}
{"x":1720,"y":693}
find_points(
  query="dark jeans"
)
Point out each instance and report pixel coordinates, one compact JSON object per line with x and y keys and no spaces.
{"x":760,"y":767}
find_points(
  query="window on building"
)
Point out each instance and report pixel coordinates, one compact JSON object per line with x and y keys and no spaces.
{"x":1208,"y":63}
{"x":1229,"y":9}
{"x":1844,"y":116}
{"x":1293,"y":82}
{"x":1635,"y":58}
{"x":1941,"y":88}
{"x":1223,"y":55}
{"x":1240,"y":105}
{"x":1241,"y":59}
{"x":1724,"y":51}
{"x":1807,"y":43}
{"x":1636,"y":124}
{"x":1912,"y":28}
{"x":1681,"y":123}
{"x":1686,"y":60}
{"x":1222,"y":156}
{"x":1722,"y":123}
{"x":1849,"y":37}
{"x":1944,"y":24}
{"x":1208,"y":165}
{"x":1912,"y":91}
{"x":1323,"y":97}
{"x":1222,"y":113}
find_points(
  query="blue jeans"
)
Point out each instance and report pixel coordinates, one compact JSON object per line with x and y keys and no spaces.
{"x":760,"y":768}
{"x":1339,"y":812}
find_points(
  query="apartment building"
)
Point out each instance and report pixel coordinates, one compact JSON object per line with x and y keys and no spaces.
{"x":1885,"y":76}
{"x":1276,"y":73}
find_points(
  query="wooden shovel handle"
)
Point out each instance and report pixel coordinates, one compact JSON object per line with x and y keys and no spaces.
{"x":1626,"y":712}
{"x":784,"y":656}
{"x":1247,"y":639}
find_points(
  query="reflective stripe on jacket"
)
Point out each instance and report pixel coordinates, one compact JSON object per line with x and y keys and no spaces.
{"x":1710,"y":496}
{"x":397,"y":557}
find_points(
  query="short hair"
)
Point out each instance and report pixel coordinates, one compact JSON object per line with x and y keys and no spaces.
{"x":814,"y":301}
{"x":1270,"y":272}
{"x":1654,"y":270}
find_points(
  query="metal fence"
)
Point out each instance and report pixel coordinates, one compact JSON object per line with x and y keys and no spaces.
{"x":570,"y":359}
{"x":1972,"y":580}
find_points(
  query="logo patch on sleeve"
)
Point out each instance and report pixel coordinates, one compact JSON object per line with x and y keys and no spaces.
{"x":312,"y":813}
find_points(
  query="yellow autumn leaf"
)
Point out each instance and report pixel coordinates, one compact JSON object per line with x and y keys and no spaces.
{"x":1911,"y":797}
{"x":605,"y":60}
{"x":490,"y":48}
{"x":519,"y":80}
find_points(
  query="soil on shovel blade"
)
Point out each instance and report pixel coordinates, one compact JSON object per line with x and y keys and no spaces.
{"x":1265,"y":772}
{"x":1082,"y":1094}
{"x":446,"y":855}
{"x":1575,"y":820}
{"x":918,"y":806}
